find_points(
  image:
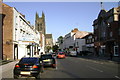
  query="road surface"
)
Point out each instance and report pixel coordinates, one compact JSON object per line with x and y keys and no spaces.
{"x":73,"y":67}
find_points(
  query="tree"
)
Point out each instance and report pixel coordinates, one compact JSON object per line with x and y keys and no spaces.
{"x":60,"y":40}
{"x":55,"y":48}
{"x":48,"y":48}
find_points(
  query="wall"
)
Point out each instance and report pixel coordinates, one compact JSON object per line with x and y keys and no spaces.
{"x":7,"y":32}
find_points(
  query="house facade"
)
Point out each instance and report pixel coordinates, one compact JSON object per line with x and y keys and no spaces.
{"x":89,"y":43}
{"x":20,"y":39}
{"x":106,"y":31}
{"x":73,"y":40}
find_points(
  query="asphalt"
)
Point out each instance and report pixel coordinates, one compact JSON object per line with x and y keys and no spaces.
{"x":100,"y":58}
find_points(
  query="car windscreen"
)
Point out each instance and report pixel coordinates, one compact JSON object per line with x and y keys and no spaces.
{"x":29,"y":60}
{"x":46,"y":57}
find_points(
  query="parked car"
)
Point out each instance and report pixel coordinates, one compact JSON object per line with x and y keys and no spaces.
{"x":73,"y":53}
{"x":48,"y":60}
{"x":61,"y":55}
{"x":54,"y":54}
{"x":86,"y":53}
{"x":28,"y":66}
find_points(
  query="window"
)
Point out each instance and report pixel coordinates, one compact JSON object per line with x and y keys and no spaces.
{"x":103,"y":34}
{"x":96,"y":26}
{"x":116,"y":51}
{"x":111,"y":34}
{"x":108,"y":24}
{"x":23,"y":23}
{"x":20,"y":30}
{"x":96,"y":38}
{"x":92,"y":39}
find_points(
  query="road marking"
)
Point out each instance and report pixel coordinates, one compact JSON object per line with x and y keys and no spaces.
{"x":94,"y":68}
{"x":93,"y":61}
{"x":117,"y":77}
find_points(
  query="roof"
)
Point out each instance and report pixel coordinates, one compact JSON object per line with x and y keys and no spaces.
{"x":88,"y":35}
{"x":80,"y":34}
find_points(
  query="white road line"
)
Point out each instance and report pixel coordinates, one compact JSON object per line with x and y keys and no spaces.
{"x":94,"y":68}
{"x":117,"y":77}
{"x":56,"y":65}
{"x":93,"y":61}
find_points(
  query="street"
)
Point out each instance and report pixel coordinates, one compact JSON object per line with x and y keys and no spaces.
{"x":73,"y":67}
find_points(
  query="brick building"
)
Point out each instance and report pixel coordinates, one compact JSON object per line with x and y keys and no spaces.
{"x":106,"y":31}
{"x":19,"y":37}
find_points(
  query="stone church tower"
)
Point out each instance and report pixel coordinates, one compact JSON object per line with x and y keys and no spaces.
{"x":40,"y":23}
{"x":41,"y":28}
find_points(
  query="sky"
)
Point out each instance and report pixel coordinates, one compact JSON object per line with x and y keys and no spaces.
{"x":62,"y":17}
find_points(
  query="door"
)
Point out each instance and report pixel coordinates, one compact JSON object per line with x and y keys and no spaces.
{"x":116,"y":51}
{"x":15,"y":52}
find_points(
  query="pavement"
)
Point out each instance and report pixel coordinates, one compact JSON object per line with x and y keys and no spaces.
{"x":102,"y":58}
{"x":2,"y":62}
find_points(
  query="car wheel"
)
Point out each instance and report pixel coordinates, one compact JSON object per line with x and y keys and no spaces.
{"x":54,"y":66}
{"x":42,"y":70}
{"x":38,"y":76}
{"x":16,"y":76}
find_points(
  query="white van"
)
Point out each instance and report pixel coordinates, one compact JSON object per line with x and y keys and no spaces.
{"x":73,"y":53}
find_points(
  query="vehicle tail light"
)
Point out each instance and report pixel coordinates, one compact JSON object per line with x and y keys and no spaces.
{"x":54,"y":65}
{"x":35,"y":66}
{"x":25,"y":64}
{"x":17,"y":66}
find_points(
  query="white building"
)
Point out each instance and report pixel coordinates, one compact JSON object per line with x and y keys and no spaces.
{"x":25,"y":37}
{"x":73,"y":41}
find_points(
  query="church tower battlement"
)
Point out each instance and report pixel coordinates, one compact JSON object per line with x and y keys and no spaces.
{"x":40,"y":23}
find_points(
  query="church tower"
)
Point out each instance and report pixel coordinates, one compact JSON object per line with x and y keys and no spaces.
{"x":40,"y":23}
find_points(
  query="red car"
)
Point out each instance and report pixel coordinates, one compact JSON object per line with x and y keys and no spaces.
{"x":61,"y":55}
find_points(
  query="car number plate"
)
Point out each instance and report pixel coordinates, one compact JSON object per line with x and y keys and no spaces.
{"x":27,"y":73}
{"x":46,"y":60}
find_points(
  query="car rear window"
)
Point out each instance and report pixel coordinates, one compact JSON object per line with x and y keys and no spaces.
{"x":61,"y":53}
{"x":46,"y":57}
{"x":29,"y":60}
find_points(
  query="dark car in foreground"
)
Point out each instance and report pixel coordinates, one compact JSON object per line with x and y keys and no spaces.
{"x":48,"y":60}
{"x":28,"y":66}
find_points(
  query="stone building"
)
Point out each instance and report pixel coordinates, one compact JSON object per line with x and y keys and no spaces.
{"x":41,"y":28}
{"x":40,"y":23}
{"x":49,"y":40}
